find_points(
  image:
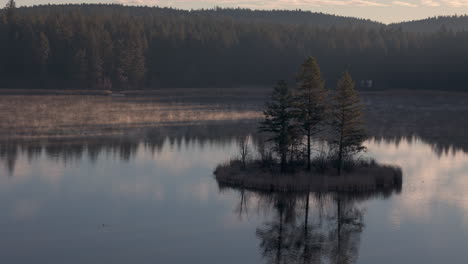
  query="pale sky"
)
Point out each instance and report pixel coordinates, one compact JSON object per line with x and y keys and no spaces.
{"x":386,"y":11}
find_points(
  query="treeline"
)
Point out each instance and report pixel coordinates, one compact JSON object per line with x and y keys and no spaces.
{"x":435,"y":24}
{"x":116,"y":47}
{"x":291,"y":17}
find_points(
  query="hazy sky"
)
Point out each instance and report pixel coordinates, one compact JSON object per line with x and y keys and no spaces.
{"x":381,"y":10}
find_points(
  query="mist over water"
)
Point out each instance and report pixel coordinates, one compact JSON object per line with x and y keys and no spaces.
{"x":154,"y":199}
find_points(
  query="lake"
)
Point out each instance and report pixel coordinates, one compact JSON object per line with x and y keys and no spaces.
{"x":152,"y":198}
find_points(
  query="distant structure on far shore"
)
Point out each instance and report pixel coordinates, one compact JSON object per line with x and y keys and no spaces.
{"x":366,"y":84}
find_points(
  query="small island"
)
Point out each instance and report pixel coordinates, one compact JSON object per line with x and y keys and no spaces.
{"x":309,"y":140}
{"x":370,"y":177}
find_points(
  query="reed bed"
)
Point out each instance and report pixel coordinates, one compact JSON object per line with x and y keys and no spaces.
{"x":71,"y":115}
{"x":360,"y":179}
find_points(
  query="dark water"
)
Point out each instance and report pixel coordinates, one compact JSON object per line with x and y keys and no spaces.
{"x":154,"y":199}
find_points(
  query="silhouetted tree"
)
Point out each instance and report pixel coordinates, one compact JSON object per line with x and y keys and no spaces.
{"x":278,"y":120}
{"x":310,"y":101}
{"x":244,"y":150}
{"x":43,"y":53}
{"x":11,"y":11}
{"x":346,"y":121}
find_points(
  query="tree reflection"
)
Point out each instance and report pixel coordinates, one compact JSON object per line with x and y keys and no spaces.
{"x":309,"y":238}
{"x":345,"y":237}
{"x":242,"y":207}
{"x":277,"y":237}
{"x":223,"y":132}
{"x":124,"y":147}
{"x":9,"y":154}
{"x":308,"y":228}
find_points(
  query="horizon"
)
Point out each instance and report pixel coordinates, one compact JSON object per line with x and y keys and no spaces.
{"x":386,"y":12}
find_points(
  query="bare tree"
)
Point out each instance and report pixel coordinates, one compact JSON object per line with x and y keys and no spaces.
{"x":244,"y":150}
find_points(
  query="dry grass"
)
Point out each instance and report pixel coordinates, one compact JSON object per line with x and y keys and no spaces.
{"x":205,"y":95}
{"x":67,"y":115}
{"x":435,"y":117}
{"x":360,"y":179}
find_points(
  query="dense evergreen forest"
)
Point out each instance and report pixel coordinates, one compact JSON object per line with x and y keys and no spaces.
{"x":435,"y":24}
{"x":120,"y":47}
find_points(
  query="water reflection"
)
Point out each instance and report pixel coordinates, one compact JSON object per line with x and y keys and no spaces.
{"x":316,"y":227}
{"x":434,"y":177}
{"x":124,"y":147}
{"x":155,"y":194}
{"x":68,"y":150}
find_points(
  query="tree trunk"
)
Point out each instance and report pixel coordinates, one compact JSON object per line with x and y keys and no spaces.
{"x":243,"y":161}
{"x":306,"y":220}
{"x":283,"y":161}
{"x":306,"y":231}
{"x":340,"y":152}
{"x":340,"y":157}
{"x":338,"y":218}
{"x":308,"y":149}
{"x":280,"y":238}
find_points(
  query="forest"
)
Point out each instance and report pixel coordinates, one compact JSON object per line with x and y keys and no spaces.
{"x":115,"y":47}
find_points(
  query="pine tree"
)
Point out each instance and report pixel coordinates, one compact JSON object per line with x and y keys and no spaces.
{"x":80,"y":70}
{"x":10,"y":4}
{"x":43,"y":49}
{"x":95,"y":63}
{"x":347,"y":126}
{"x":43,"y":53}
{"x":11,"y":11}
{"x":310,"y":101}
{"x":131,"y":68}
{"x":279,"y":120}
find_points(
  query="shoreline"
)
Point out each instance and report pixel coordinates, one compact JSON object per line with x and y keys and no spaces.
{"x":219,"y":91}
{"x":361,"y":179}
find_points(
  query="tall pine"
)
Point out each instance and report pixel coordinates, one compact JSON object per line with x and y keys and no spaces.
{"x":310,"y":101}
{"x":347,"y":125}
{"x":278,"y":120}
{"x":42,"y":54}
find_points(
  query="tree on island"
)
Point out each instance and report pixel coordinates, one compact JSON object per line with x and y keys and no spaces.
{"x":346,"y":124}
{"x":278,"y":121}
{"x":244,"y":150}
{"x":310,"y":101}
{"x":290,"y":119}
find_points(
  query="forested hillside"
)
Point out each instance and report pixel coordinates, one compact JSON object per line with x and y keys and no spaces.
{"x":117,"y":47}
{"x":435,"y":24}
{"x":297,"y":17}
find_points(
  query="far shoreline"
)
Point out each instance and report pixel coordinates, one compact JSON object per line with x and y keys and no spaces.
{"x":223,"y":91}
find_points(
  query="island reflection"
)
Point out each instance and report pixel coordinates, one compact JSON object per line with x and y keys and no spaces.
{"x":310,"y":227}
{"x":174,"y":168}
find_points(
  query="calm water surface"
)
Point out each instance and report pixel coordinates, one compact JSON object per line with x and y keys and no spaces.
{"x":157,"y":201}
